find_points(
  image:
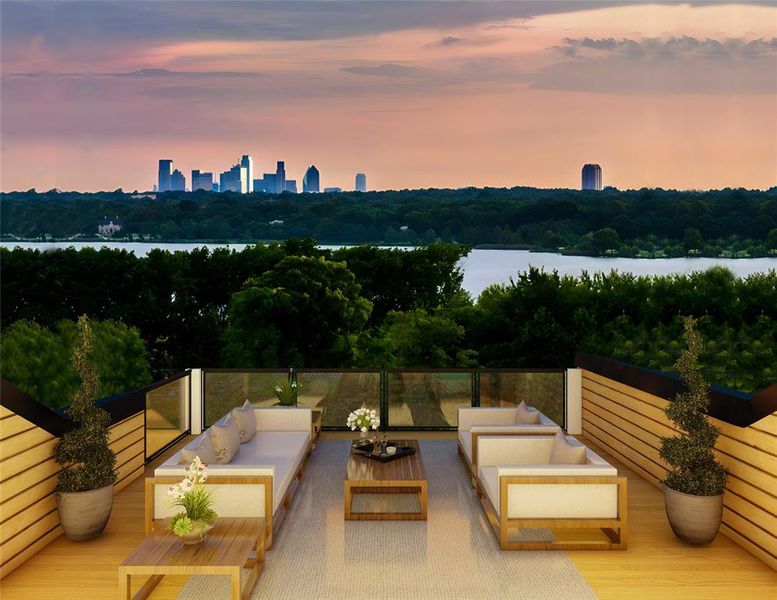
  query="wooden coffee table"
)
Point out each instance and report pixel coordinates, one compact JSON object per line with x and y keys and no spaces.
{"x":224,"y":552}
{"x":404,"y":475}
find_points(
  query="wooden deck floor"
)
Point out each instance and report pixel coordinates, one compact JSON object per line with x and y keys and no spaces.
{"x":655,"y":567}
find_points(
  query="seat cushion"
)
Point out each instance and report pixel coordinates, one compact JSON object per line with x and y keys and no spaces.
{"x":226,"y":440}
{"x":246,"y":421}
{"x":489,"y":483}
{"x":465,"y":439}
{"x":564,"y":453}
{"x":526,"y":415}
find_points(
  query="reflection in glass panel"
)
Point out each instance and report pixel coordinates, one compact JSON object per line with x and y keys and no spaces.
{"x":337,"y":394}
{"x":427,"y":399}
{"x":166,"y":414}
{"x":542,"y":390}
{"x":227,"y":390}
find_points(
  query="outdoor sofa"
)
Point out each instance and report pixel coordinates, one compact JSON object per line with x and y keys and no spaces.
{"x":529,"y":482}
{"x":478,"y":421}
{"x":259,"y":481}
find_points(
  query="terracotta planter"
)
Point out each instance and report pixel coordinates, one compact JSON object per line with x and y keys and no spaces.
{"x":694,"y":519}
{"x":84,"y":515}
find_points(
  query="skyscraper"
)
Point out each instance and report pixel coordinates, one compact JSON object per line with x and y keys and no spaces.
{"x":202,"y":180}
{"x":592,"y":177}
{"x":291,"y":186}
{"x":311,"y":181}
{"x":234,"y":180}
{"x":361,"y":182}
{"x":248,"y":162}
{"x":165,"y":173}
{"x":280,"y":177}
{"x":177,"y":181}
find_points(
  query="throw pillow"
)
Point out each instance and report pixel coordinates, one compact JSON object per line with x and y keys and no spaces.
{"x":201,"y":447}
{"x":226,"y":440}
{"x":246,"y":421}
{"x":527,"y":415}
{"x":563,"y":453}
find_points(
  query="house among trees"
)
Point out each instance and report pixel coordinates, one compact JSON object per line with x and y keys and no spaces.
{"x":109,"y":226}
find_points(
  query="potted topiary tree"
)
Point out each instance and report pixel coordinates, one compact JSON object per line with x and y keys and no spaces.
{"x":693,"y":488}
{"x":85,"y":483}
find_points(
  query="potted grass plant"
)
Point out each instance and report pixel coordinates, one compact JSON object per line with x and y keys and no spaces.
{"x":693,"y":488}
{"x":85,"y":483}
{"x":198,"y":515}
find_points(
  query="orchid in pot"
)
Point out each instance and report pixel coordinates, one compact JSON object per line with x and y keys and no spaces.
{"x":198,"y":516}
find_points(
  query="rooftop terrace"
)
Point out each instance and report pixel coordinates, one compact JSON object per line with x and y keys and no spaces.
{"x":454,"y":554}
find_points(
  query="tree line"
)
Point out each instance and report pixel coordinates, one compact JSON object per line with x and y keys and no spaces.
{"x":641,"y":223}
{"x":295,"y":304}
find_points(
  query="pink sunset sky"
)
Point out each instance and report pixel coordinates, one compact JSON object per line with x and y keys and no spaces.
{"x":414,"y":94}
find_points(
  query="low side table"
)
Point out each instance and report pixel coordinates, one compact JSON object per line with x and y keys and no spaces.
{"x":225,"y":551}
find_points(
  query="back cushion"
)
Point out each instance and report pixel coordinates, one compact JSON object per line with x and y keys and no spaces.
{"x":246,"y":421}
{"x":226,"y":440}
{"x":526,"y":415}
{"x":563,"y":453}
{"x":201,"y":447}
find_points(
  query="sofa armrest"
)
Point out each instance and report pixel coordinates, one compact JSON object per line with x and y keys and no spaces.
{"x":284,"y":419}
{"x":485,"y":416}
{"x":513,"y":429}
{"x":556,"y":471}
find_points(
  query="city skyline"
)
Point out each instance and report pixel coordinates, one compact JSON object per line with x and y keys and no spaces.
{"x":416,"y":95}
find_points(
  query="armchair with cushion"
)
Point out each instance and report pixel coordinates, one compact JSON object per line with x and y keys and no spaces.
{"x":551,"y":482}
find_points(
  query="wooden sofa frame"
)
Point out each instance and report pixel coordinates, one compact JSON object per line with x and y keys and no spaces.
{"x":272,"y":522}
{"x":615,"y":529}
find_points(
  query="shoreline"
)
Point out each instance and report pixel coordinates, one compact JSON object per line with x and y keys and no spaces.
{"x":9,"y":243}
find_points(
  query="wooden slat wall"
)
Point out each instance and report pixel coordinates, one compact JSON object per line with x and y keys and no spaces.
{"x":628,"y":422}
{"x":28,"y":473}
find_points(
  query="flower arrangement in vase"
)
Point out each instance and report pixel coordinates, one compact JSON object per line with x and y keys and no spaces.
{"x":198,"y":516}
{"x":287,"y":392}
{"x":364,"y":419}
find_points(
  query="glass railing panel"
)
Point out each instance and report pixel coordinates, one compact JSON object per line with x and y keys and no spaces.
{"x":427,"y":399}
{"x":337,"y":393}
{"x":225,"y":390}
{"x":167,"y":414}
{"x":543,"y":390}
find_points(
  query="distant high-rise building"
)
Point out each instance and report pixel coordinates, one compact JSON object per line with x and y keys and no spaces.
{"x":267,"y":184}
{"x":202,"y":180}
{"x":234,"y":180}
{"x":311,"y":181}
{"x":291,"y":186}
{"x":280,"y":177}
{"x":361,"y":182}
{"x":247,"y":162}
{"x":214,"y":187}
{"x":165,"y":173}
{"x":592,"y":177}
{"x":333,"y":190}
{"x":177,"y":181}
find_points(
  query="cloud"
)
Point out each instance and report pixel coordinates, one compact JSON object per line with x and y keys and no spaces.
{"x":669,"y":48}
{"x":449,"y":40}
{"x":676,"y":64}
{"x":388,"y":70}
{"x":144,"y":73}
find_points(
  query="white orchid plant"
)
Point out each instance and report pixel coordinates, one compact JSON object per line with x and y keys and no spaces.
{"x":196,"y":501}
{"x":363,"y":419}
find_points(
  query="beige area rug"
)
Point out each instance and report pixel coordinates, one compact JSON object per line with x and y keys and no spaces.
{"x":453,"y":555}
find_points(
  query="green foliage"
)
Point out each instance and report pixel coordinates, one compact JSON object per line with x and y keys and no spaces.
{"x":647,"y":222}
{"x":37,"y":360}
{"x":287,"y":392}
{"x":694,"y":469}
{"x":83,"y":453}
{"x":305,"y":311}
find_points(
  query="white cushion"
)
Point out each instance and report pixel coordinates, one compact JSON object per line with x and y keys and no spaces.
{"x":525,"y":415}
{"x":246,"y":421}
{"x":563,"y":453}
{"x":489,"y":483}
{"x":201,"y":447}
{"x":226,"y":440}
{"x":465,"y":439}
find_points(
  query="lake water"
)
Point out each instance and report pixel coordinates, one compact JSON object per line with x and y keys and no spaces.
{"x":485,"y":267}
